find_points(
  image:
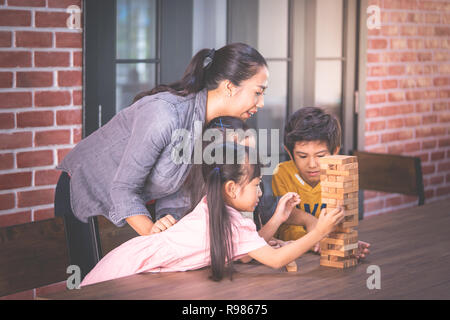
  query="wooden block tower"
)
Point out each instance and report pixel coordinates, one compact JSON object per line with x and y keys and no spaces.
{"x":339,"y":183}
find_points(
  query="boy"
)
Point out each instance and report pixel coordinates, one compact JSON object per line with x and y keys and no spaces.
{"x":309,"y":134}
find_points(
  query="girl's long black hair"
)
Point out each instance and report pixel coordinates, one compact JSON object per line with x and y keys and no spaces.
{"x":235,"y":62}
{"x":220,"y":224}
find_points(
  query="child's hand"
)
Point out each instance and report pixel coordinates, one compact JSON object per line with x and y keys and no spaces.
{"x":363,"y":250}
{"x":163,"y":224}
{"x":286,"y":204}
{"x":327,"y":221}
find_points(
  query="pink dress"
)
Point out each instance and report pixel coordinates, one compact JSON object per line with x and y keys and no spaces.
{"x":184,"y":246}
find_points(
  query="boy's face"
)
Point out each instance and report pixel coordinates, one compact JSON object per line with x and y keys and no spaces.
{"x":306,"y":156}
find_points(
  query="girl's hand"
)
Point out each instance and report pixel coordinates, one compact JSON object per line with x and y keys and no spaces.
{"x":327,"y":221}
{"x":163,"y":224}
{"x":286,"y":204}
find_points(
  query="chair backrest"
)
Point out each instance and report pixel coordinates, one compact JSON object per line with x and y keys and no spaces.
{"x":390,"y":173}
{"x":32,"y":255}
{"x":111,"y":236}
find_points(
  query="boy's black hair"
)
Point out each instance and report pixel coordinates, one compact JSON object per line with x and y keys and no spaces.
{"x":312,"y":124}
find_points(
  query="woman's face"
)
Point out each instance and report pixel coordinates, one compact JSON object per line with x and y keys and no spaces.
{"x":247,"y":98}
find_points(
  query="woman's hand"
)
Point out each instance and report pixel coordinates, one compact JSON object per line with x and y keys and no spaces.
{"x":163,"y":224}
{"x":328,"y":220}
{"x":286,"y":204}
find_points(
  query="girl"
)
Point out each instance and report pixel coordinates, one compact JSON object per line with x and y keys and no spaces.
{"x":215,"y":233}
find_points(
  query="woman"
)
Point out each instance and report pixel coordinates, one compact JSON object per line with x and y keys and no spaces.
{"x":126,"y":163}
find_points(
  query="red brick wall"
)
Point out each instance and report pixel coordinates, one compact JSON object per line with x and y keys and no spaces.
{"x":40,"y":103}
{"x":40,"y":106}
{"x":408,"y":94}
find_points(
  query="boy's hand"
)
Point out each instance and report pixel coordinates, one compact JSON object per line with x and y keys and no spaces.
{"x":286,"y":204}
{"x":363,"y":250}
{"x":163,"y":224}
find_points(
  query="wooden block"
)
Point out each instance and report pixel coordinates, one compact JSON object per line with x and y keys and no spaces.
{"x":354,"y":177}
{"x":338,"y":159}
{"x":291,"y":267}
{"x":325,"y":246}
{"x":338,"y":264}
{"x":350,"y":172}
{"x":340,"y":228}
{"x":341,"y":185}
{"x":344,"y":167}
{"x":344,"y":236}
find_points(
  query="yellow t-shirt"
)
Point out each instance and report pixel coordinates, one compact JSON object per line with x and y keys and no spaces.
{"x":286,"y":178}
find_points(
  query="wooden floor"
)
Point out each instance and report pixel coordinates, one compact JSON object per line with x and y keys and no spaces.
{"x":411,"y":247}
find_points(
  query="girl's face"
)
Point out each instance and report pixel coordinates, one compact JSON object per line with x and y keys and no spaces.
{"x":246,"y":99}
{"x":243,"y":198}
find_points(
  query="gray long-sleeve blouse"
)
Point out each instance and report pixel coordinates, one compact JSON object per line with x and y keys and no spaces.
{"x":127,"y":162}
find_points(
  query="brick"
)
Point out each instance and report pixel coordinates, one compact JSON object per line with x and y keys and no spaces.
{"x":439,"y":155}
{"x":400,"y":4}
{"x":5,"y":39}
{"x":51,"y":19}
{"x":15,"y":59}
{"x":46,"y":177}
{"x":396,"y":70}
{"x":372,"y":85}
{"x":441,"y":56}
{"x":62,"y":153}
{"x":389,"y":84}
{"x":441,"y":81}
{"x":371,"y":140}
{"x":416,"y":44}
{"x":52,"y":98}
{"x":398,"y":44}
{"x":15,"y":100}
{"x":424,"y":56}
{"x":15,"y":140}
{"x":26,"y":3}
{"x":412,"y":147}
{"x":34,"y":79}
{"x":7,"y":201}
{"x":69,"y":40}
{"x":372,"y":112}
{"x":389,"y":30}
{"x":69,"y":78}
{"x":442,"y":31}
{"x":44,"y":214}
{"x":423,"y":107}
{"x":68,"y":117}
{"x":377,"y":44}
{"x":53,"y":137}
{"x":77,"y":97}
{"x":396,"y":149}
{"x":377,"y":125}
{"x":432,"y":43}
{"x":444,"y":143}
{"x":429,"y":144}
{"x":15,"y":18}
{"x":13,"y":219}
{"x":78,"y":59}
{"x":6,"y":161}
{"x":377,"y":71}
{"x":395,"y":201}
{"x":373,"y":206}
{"x":426,"y":31}
{"x":407,"y":83}
{"x":408,"y":31}
{"x":428,"y":169}
{"x":444,"y":166}
{"x":440,"y":106}
{"x":7,"y":121}
{"x":34,"y":119}
{"x":10,"y":181}
{"x":414,"y":17}
{"x":443,"y":191}
{"x":63,"y":3}
{"x":397,"y":16}
{"x":77,"y":135}
{"x":52,"y":59}
{"x":424,"y":82}
{"x":376,"y":98}
{"x":395,"y":123}
{"x":373,"y":57}
{"x":35,"y":198}
{"x":412,"y":121}
{"x":396,"y":96}
{"x":32,"y":39}
{"x":31,"y":159}
{"x":6,"y":79}
{"x":429,"y":119}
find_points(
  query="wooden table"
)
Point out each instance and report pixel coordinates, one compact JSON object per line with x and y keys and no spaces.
{"x":411,"y":247}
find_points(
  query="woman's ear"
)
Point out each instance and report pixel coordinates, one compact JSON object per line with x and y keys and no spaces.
{"x":289,"y":153}
{"x":230,"y":189}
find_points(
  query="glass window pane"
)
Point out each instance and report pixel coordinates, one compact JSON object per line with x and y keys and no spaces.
{"x":328,"y":85}
{"x":136,"y":29}
{"x":272,"y":115}
{"x":131,"y":79}
{"x":273,"y":28}
{"x":329,"y":24}
{"x":209,"y":24}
